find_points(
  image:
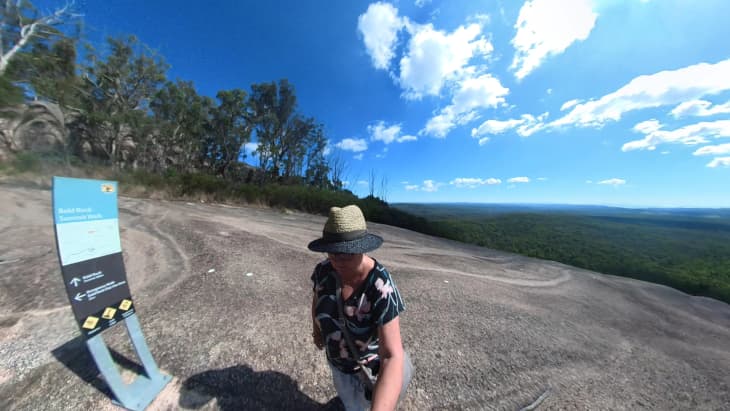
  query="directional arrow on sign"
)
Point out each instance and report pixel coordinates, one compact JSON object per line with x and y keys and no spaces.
{"x":75,"y":281}
{"x":80,"y":296}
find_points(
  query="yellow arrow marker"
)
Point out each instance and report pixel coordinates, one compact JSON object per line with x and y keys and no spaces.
{"x":90,"y":322}
{"x":109,"y":313}
{"x":125,"y":305}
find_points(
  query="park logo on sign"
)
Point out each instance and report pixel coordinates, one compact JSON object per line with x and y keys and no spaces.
{"x":107,"y":188}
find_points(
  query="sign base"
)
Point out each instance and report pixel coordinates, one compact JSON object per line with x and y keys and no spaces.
{"x":139,"y":394}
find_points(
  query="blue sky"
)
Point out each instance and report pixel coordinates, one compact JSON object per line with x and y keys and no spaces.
{"x":620,"y":102}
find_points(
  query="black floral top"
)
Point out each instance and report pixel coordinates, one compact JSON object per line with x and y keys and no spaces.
{"x":373,"y":304}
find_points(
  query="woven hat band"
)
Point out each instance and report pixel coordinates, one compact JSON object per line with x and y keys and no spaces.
{"x":346,"y":236}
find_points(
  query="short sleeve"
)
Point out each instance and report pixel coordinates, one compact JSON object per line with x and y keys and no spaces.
{"x":388,"y":302}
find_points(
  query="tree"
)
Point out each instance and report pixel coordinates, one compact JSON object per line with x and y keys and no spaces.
{"x":337,"y":166}
{"x":21,"y":24}
{"x":116,"y":95}
{"x":317,"y":168}
{"x":278,"y":129}
{"x":182,"y":115}
{"x":228,"y":131}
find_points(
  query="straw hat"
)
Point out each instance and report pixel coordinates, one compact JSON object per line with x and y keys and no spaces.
{"x":346,"y":232}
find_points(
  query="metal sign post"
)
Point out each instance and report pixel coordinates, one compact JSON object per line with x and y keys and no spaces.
{"x":86,"y":222}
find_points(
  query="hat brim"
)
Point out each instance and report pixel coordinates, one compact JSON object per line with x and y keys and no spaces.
{"x":364,"y":244}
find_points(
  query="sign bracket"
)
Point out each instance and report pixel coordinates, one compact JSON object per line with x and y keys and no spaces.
{"x":140,"y":393}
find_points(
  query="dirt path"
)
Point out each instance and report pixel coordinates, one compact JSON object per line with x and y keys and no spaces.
{"x":485,"y":329}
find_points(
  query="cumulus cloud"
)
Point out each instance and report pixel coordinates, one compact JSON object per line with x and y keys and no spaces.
{"x":649,"y":91}
{"x":519,"y":180}
{"x":435,"y":57}
{"x":613,"y":182}
{"x":483,"y":141}
{"x":546,"y":28}
{"x":351,"y":144}
{"x":379,"y":131}
{"x":719,"y":162}
{"x":474,"y":182}
{"x":379,"y":27}
{"x":525,"y":126}
{"x":471,"y":94}
{"x":691,"y":134}
{"x":699,"y":108}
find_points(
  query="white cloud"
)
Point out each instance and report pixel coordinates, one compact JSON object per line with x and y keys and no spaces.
{"x":526,"y":126}
{"x":357,"y":156}
{"x":546,"y":28}
{"x":568,"y":104}
{"x":362,"y":182}
{"x":691,"y":134}
{"x":483,"y":141}
{"x":699,"y":108}
{"x":519,"y":180}
{"x":430,"y":186}
{"x":542,"y":179}
{"x":713,"y":150}
{"x":474,"y":182}
{"x":379,"y":26}
{"x":351,"y":144}
{"x":435,"y":57}
{"x":471,"y":94}
{"x":345,"y":183}
{"x":421,"y":3}
{"x":719,"y":162}
{"x":379,"y":131}
{"x":655,"y":90}
{"x":613,"y":182}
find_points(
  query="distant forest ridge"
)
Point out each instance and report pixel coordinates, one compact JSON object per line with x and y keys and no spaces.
{"x":688,"y":249}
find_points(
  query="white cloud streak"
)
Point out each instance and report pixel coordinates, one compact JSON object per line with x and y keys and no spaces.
{"x":650,"y":91}
{"x":474,"y":182}
{"x":613,"y":182}
{"x":691,"y":134}
{"x":547,"y":28}
{"x":519,"y":180}
{"x":719,"y":162}
{"x":525,"y":126}
{"x":717,"y":150}
{"x":699,"y":108}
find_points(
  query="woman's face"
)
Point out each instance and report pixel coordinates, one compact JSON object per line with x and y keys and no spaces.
{"x":345,"y":262}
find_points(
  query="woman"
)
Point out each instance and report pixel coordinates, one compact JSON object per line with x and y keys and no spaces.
{"x":353,"y":289}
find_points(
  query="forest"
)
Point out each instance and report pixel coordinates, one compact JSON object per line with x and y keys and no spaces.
{"x":685,"y":249}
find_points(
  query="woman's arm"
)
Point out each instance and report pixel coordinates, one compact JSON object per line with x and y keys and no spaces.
{"x":390,"y":378}
{"x":316,"y":331}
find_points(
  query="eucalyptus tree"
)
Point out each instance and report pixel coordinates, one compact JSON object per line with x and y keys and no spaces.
{"x":22,"y":24}
{"x":228,"y":130}
{"x":181,"y":116}
{"x":116,"y":92}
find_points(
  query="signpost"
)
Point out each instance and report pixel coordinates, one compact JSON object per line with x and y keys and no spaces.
{"x":90,"y":252}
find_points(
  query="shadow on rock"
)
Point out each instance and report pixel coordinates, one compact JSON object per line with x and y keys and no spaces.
{"x":76,"y":357}
{"x":241,"y":388}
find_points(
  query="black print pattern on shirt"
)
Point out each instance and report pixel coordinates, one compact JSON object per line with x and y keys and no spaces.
{"x":375,"y":303}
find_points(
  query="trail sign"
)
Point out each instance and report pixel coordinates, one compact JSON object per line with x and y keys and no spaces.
{"x":89,"y":248}
{"x":92,"y":266}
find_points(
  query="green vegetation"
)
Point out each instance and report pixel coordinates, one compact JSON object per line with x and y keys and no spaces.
{"x":690,"y":252}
